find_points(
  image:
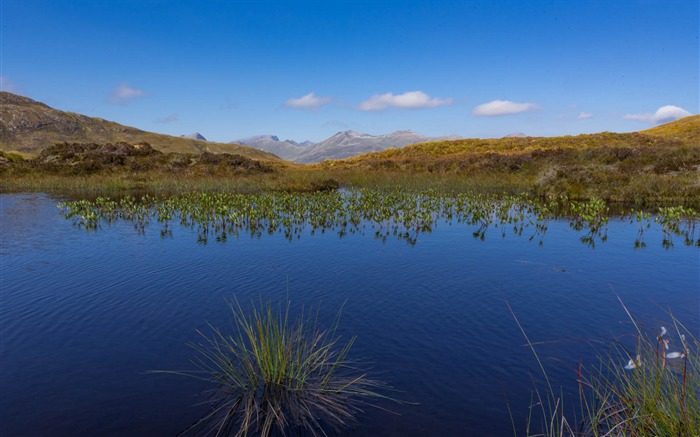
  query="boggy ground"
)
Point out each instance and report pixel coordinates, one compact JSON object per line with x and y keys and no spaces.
{"x":657,"y":167}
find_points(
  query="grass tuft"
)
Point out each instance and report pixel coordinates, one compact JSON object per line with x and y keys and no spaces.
{"x":276,"y":373}
{"x":651,"y":391}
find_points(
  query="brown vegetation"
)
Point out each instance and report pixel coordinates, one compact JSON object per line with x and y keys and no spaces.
{"x":658,"y":166}
{"x":84,"y":159}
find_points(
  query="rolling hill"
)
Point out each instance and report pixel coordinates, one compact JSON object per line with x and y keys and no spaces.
{"x":659,"y":165}
{"x":685,"y":129}
{"x":29,"y":127}
{"x":684,"y":132}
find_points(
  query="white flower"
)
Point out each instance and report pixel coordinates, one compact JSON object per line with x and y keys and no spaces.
{"x":663,"y":331}
{"x":665,"y":344}
{"x":633,"y":364}
{"x":675,"y":355}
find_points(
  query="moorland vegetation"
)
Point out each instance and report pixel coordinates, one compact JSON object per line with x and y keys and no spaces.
{"x":658,"y":167}
{"x":44,"y":149}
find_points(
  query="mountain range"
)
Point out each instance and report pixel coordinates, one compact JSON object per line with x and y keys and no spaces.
{"x":339,"y":146}
{"x":29,"y":126}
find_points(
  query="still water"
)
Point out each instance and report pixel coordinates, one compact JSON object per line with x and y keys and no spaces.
{"x":85,"y":314}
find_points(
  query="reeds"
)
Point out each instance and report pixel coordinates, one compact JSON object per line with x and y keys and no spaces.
{"x":653,"y":390}
{"x":276,"y":372}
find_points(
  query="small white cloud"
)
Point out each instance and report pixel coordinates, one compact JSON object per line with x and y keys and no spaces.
{"x":408,"y":100}
{"x":584,"y":116}
{"x":662,"y":115}
{"x":123,"y":94}
{"x":169,"y":119}
{"x":308,"y":101}
{"x":7,"y":85}
{"x":503,"y":107}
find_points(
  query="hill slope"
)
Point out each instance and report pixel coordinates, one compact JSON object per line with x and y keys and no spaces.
{"x":686,"y":129}
{"x":659,"y":165}
{"x":29,"y":126}
{"x":684,"y":132}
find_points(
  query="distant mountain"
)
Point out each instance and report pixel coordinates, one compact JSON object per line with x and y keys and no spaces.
{"x":29,"y":126}
{"x":351,"y":143}
{"x":286,"y":149}
{"x":516,"y":135}
{"x":194,"y":136}
{"x":341,"y":145}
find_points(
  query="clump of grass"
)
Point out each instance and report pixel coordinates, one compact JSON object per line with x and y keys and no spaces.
{"x":275,"y":373}
{"x":651,"y":391}
{"x":654,"y":391}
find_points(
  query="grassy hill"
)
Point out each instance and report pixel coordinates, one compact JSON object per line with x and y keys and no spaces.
{"x":29,"y":127}
{"x":661,"y":164}
{"x":683,"y":132}
{"x":686,"y":129}
{"x":657,"y":166}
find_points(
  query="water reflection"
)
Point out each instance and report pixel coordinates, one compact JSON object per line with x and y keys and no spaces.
{"x":401,"y":214}
{"x":83,"y":314}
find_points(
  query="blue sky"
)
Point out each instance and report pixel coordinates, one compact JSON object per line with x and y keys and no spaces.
{"x":306,"y":70}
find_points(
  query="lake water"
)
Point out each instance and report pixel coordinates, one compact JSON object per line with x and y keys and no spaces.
{"x":84,"y":315}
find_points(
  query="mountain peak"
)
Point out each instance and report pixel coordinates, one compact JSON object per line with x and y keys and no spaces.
{"x":194,"y":136}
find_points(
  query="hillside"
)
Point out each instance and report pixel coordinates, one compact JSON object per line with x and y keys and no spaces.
{"x":685,"y":129}
{"x":683,"y":132}
{"x":29,"y":127}
{"x":657,"y":165}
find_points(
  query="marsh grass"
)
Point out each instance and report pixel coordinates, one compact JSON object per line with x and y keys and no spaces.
{"x":652,"y":390}
{"x":394,"y":212}
{"x":276,"y":373}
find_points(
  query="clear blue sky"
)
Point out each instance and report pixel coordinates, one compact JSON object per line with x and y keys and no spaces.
{"x":305,"y":70}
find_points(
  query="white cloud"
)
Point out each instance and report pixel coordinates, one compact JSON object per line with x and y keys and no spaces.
{"x":7,"y":85}
{"x":408,"y":100}
{"x":123,"y":94}
{"x":662,"y":115}
{"x":503,"y":107}
{"x":584,"y":116}
{"x":308,"y":101}
{"x":169,"y":119}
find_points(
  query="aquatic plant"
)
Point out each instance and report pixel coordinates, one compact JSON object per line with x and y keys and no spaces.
{"x":653,"y":390}
{"x":400,"y":213}
{"x":275,"y":372}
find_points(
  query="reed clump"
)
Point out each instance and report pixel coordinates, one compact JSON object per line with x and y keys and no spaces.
{"x":276,"y":373}
{"x":650,"y":390}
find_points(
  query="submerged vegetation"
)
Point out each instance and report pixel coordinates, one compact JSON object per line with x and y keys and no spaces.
{"x":277,"y":373}
{"x":399,"y":213}
{"x":650,"y":388}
